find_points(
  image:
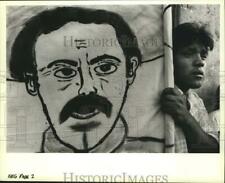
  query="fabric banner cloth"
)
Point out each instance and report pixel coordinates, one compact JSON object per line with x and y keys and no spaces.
{"x":152,"y":25}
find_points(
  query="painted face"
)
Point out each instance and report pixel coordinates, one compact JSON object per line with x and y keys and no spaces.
{"x":189,"y":66}
{"x":82,"y":81}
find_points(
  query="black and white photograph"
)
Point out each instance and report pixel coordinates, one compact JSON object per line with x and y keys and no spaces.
{"x":112,"y":78}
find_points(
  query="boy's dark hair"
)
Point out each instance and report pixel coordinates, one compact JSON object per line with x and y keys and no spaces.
{"x":188,"y":33}
{"x":22,"y":59}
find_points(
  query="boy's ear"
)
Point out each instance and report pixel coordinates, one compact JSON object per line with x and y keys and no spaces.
{"x":132,"y":70}
{"x":30,"y":84}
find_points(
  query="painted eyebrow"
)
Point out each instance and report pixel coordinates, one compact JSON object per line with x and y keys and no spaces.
{"x":63,"y":61}
{"x":101,"y":57}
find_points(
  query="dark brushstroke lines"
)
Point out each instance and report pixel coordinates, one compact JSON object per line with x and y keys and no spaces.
{"x":85,"y":141}
{"x":125,"y":134}
{"x":65,"y":87}
{"x":153,"y":59}
{"x":145,"y":139}
{"x":166,"y":44}
{"x":43,"y":140}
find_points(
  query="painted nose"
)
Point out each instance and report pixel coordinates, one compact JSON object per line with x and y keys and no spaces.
{"x":87,"y":85}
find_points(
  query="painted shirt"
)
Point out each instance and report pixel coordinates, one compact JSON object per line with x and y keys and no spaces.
{"x":118,"y":141}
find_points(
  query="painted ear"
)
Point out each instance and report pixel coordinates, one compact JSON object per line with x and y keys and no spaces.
{"x":132,"y":70}
{"x":30,"y":85}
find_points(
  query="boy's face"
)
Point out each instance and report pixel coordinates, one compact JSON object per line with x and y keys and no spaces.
{"x":189,"y":66}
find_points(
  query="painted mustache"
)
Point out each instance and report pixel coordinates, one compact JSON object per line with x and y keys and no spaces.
{"x":85,"y":107}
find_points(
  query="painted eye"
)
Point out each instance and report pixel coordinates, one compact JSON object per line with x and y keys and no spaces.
{"x":106,"y":68}
{"x":65,"y":73}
